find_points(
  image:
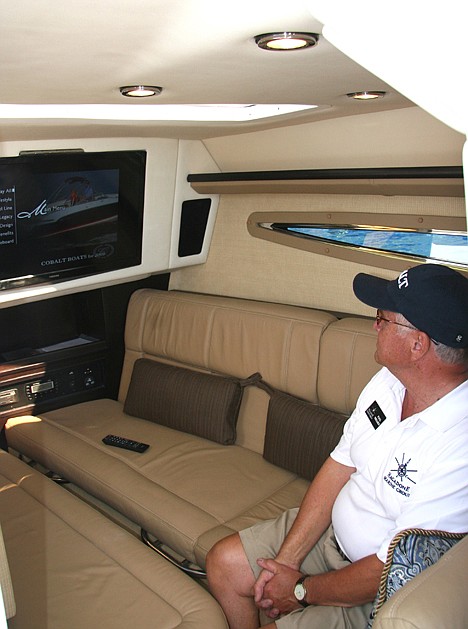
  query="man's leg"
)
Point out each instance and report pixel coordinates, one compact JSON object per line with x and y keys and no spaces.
{"x":231,"y":581}
{"x":232,"y":571}
{"x":232,"y":567}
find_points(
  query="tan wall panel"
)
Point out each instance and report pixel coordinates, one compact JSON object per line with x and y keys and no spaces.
{"x":242,"y":266}
{"x":402,"y":137}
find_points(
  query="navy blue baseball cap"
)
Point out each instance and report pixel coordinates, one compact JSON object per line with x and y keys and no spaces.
{"x":432,"y":297}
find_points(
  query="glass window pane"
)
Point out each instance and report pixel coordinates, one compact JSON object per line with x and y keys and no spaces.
{"x":444,"y":247}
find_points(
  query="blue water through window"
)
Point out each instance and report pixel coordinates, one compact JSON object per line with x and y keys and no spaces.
{"x":450,"y":247}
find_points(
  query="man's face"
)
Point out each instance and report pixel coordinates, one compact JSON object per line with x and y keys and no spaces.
{"x":392,"y":345}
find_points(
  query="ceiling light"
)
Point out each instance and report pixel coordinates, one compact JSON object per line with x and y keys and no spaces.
{"x":366,"y":95}
{"x":140,"y":91}
{"x":286,"y":41}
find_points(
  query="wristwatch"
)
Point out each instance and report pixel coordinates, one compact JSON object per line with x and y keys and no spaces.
{"x":300,"y":591}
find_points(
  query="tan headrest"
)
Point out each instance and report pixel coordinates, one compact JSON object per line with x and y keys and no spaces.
{"x":346,"y":363}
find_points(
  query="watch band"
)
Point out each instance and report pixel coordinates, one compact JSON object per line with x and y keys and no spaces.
{"x":300,"y":591}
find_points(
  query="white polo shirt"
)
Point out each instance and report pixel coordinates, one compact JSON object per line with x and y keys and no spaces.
{"x":409,"y":474}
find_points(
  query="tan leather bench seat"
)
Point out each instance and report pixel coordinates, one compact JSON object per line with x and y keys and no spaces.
{"x":72,"y":568}
{"x":181,"y":489}
{"x":186,"y":490}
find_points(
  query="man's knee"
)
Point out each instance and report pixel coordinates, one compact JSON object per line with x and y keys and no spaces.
{"x":227,"y":561}
{"x":223,"y":555}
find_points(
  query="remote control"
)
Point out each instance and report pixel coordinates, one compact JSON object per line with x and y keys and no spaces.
{"x":126,"y":444}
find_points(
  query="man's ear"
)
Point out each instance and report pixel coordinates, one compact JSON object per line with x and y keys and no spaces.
{"x":421,"y":344}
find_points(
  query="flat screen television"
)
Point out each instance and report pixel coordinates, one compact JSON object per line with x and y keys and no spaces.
{"x":65,"y":215}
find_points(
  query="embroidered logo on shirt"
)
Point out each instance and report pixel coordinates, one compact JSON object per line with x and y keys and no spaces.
{"x":399,"y":477}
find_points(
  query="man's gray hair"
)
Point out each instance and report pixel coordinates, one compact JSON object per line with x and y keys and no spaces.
{"x":452,"y":355}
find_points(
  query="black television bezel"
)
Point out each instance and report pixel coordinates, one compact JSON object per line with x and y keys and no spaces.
{"x":131,"y":164}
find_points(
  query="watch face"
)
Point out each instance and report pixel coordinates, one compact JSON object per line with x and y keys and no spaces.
{"x":299,"y":592}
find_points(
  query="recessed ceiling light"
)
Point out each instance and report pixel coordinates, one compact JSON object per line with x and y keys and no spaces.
{"x":140,"y":91}
{"x":286,"y":41}
{"x":366,"y":95}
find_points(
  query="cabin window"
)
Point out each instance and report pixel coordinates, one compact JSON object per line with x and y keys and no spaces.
{"x":386,"y":244}
{"x":429,"y":245}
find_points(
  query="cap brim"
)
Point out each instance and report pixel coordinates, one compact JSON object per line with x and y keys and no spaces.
{"x":373,"y":291}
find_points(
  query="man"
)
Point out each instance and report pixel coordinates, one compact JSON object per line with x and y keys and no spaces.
{"x":402,"y":462}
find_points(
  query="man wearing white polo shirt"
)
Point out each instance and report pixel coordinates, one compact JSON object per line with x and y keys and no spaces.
{"x":402,"y":462}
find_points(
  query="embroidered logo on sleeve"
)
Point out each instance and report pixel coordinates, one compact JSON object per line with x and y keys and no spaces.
{"x":399,"y":478}
{"x":376,"y":415}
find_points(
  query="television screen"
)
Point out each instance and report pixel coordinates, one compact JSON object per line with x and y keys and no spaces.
{"x":65,"y":215}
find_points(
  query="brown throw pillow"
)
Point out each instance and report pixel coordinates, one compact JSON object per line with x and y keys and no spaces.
{"x":190,"y":401}
{"x":299,"y":435}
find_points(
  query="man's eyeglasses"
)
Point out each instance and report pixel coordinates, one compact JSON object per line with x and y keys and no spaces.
{"x":379,"y":318}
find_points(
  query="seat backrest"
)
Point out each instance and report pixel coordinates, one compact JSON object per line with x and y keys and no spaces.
{"x":239,"y":337}
{"x":346,"y":363}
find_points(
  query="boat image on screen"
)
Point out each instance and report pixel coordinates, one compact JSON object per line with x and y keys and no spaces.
{"x":77,"y":203}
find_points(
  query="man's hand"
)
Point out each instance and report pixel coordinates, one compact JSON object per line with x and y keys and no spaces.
{"x":259,"y":585}
{"x":274,"y":589}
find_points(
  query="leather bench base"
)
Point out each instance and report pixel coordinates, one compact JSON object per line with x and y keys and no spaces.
{"x":71,"y":567}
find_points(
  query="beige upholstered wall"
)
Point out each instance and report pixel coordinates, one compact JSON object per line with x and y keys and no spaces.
{"x":402,"y":137}
{"x":242,"y":266}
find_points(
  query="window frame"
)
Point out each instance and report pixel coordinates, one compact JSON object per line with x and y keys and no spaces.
{"x":261,"y":225}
